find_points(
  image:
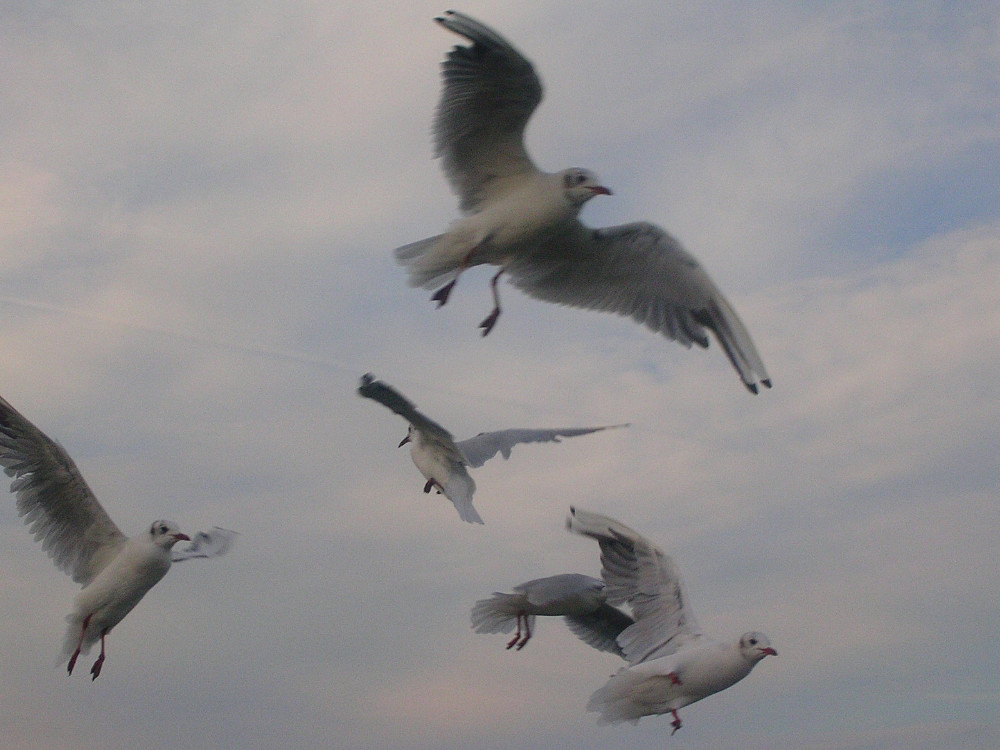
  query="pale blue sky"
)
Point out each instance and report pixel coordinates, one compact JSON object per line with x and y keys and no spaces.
{"x":197,"y":210}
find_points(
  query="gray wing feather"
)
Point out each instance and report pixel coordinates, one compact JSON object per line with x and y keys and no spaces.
{"x":600,"y":629}
{"x":389,"y":397}
{"x":55,"y":501}
{"x":214,"y":543}
{"x":484,"y":446}
{"x":638,"y":573}
{"x":640,"y":271}
{"x":488,"y":94}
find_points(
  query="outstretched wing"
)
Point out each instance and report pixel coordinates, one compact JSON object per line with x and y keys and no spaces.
{"x":214,"y":543}
{"x":484,"y":446}
{"x":637,"y":572}
{"x":389,"y":397}
{"x":54,"y":499}
{"x":489,"y":92}
{"x":640,"y":271}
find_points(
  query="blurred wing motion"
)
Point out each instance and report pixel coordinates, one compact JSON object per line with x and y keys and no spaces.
{"x":214,"y":543}
{"x":638,"y":573}
{"x":396,"y":402}
{"x":484,"y":446}
{"x":55,"y":501}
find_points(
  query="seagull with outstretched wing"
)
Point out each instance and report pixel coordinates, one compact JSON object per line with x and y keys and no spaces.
{"x":526,"y":221}
{"x":64,"y":515}
{"x":578,"y":598}
{"x":443,"y":461}
{"x":671,"y":663}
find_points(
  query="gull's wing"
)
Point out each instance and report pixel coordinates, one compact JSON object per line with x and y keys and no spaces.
{"x":54,"y":499}
{"x":637,"y":572}
{"x":484,"y":446}
{"x":640,"y":271}
{"x":489,"y":92}
{"x":212,"y":543}
{"x":389,"y":397}
{"x":600,"y":629}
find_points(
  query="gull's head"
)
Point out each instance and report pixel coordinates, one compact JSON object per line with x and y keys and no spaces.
{"x":410,"y":432}
{"x":166,"y":534}
{"x":755,"y":646}
{"x":579,"y":186}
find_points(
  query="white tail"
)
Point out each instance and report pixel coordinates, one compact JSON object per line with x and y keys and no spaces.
{"x":498,"y":614}
{"x":426,"y":268}
{"x":617,"y":700}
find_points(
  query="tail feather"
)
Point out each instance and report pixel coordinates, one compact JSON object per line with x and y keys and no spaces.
{"x":498,"y":614}
{"x":615,"y":701}
{"x":460,"y":489}
{"x":427,"y":269}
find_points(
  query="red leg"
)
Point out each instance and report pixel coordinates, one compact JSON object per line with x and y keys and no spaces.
{"x":674,"y":679}
{"x":491,"y":319}
{"x":96,"y":669}
{"x":676,"y":723}
{"x":79,"y":645}
{"x":517,"y":635}
{"x":527,"y":633}
{"x":442,"y":294}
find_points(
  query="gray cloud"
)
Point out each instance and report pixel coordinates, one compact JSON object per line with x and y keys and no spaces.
{"x":198,"y":208}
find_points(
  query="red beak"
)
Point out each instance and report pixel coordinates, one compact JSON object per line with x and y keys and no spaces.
{"x":182,"y":537}
{"x":403,"y":442}
{"x":600,"y":190}
{"x":769,"y":651}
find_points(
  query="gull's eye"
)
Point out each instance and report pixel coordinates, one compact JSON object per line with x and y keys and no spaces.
{"x":753,"y":641}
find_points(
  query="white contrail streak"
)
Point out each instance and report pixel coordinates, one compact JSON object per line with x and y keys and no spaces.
{"x":251,"y":349}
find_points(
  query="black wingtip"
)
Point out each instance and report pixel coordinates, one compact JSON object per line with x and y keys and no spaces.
{"x":766,"y":382}
{"x":752,"y":387}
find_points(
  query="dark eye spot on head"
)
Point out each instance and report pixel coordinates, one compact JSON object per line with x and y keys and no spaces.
{"x":753,"y":641}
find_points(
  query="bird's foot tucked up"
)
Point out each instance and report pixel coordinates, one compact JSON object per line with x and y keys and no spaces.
{"x":676,"y":723}
{"x":95,"y":670}
{"x":441,"y":295}
{"x":490,"y":321}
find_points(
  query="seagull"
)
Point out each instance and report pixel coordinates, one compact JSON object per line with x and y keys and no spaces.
{"x":64,"y":515}
{"x":444,"y":462}
{"x":671,"y":663}
{"x":578,"y":598}
{"x":525,"y":221}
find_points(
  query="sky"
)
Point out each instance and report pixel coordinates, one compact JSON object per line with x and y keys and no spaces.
{"x":198,"y":204}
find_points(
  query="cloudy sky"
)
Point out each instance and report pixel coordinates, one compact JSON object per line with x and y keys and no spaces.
{"x":198,"y":204}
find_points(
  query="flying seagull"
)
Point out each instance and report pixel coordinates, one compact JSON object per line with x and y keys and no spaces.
{"x":525,"y":221}
{"x":444,"y":462}
{"x":64,"y":515}
{"x":671,"y":663}
{"x":577,"y":598}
